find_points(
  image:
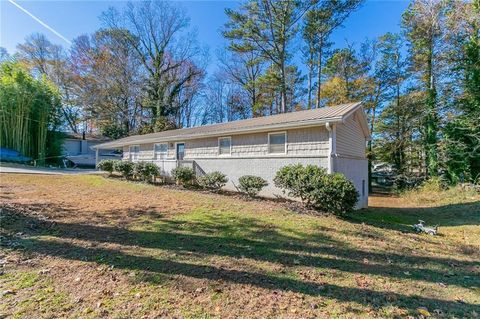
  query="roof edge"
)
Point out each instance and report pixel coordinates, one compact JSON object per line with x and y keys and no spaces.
{"x":291,"y":125}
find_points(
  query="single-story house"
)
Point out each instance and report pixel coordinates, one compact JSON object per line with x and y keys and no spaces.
{"x":331,"y":137}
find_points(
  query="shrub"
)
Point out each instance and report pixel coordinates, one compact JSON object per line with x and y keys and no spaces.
{"x":106,"y":165}
{"x":184,"y":175}
{"x":124,"y":167}
{"x":299,"y":181}
{"x":332,"y":193}
{"x":251,"y":185}
{"x":146,"y":171}
{"x":213,"y":181}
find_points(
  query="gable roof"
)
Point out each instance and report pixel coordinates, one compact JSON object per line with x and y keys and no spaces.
{"x":304,"y":118}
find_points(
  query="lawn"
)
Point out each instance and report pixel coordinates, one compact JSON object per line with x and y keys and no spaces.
{"x":90,"y":247}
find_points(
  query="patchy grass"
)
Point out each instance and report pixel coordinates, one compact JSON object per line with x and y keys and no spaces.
{"x":89,"y":247}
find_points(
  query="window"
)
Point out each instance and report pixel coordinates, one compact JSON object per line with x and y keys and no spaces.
{"x":277,"y":143}
{"x":161,"y":150}
{"x":363,"y":187}
{"x":134,"y":150}
{"x":224,"y":146}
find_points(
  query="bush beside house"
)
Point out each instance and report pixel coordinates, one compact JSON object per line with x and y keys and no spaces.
{"x":125,"y":168}
{"x":213,"y":181}
{"x":184,"y":176}
{"x":332,"y":193}
{"x":316,"y":188}
{"x":251,"y":185}
{"x":106,"y":165}
{"x":146,"y":171}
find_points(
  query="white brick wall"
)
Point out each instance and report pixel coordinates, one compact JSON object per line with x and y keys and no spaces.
{"x":263,"y":167}
{"x":355,"y":170}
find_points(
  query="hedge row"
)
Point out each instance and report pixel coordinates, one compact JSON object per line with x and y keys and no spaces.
{"x":141,"y":170}
{"x":311,"y":184}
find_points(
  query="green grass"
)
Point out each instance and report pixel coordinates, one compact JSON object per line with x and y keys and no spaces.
{"x":187,"y":254}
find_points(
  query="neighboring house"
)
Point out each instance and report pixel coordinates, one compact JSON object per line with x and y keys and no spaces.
{"x":331,"y":137}
{"x":78,"y":149}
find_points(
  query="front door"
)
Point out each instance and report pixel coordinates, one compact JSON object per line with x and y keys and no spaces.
{"x":180,"y":151}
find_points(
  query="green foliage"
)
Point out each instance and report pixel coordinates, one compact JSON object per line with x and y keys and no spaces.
{"x":462,"y":135}
{"x":184,"y":176}
{"x":332,"y":193}
{"x":146,"y":171}
{"x":114,"y":131}
{"x":213,"y":181}
{"x":434,"y":184}
{"x":106,"y":165}
{"x":251,"y":185}
{"x":124,"y":167}
{"x":297,"y":180}
{"x":29,"y":109}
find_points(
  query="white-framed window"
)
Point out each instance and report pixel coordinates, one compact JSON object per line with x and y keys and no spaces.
{"x":134,"y":150}
{"x":277,"y":143}
{"x":225,"y":145}
{"x":160,"y":150}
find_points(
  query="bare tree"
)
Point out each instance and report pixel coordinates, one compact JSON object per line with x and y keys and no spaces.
{"x":160,"y":38}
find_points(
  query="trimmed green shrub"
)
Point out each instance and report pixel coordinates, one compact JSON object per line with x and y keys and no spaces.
{"x":251,"y":185}
{"x":298,"y":180}
{"x":184,"y":176}
{"x":106,"y":165}
{"x":146,"y":171}
{"x":213,"y":181}
{"x":332,"y":193}
{"x":124,"y":167}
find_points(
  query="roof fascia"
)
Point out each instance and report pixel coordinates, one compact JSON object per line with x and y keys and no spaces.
{"x":363,"y":121}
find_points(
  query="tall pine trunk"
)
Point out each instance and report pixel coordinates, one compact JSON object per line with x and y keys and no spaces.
{"x":319,"y":74}
{"x":431,"y":126}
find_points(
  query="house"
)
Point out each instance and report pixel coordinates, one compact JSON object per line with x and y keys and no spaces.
{"x":77,"y":148}
{"x":332,"y":137}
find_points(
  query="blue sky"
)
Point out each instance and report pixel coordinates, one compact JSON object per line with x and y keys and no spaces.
{"x":73,"y":18}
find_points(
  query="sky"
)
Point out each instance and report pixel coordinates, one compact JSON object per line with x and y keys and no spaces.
{"x":73,"y":18}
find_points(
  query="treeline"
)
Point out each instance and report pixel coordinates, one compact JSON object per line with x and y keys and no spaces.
{"x":145,"y":71}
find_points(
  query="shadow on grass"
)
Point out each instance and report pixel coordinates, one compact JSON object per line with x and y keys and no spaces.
{"x":400,"y":218}
{"x":216,"y":235}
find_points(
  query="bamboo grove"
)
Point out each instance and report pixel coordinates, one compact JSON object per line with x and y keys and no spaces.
{"x":28,"y":112}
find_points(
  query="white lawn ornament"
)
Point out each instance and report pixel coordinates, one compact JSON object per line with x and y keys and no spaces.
{"x":420,"y":228}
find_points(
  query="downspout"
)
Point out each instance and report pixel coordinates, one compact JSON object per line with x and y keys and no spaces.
{"x":332,"y":145}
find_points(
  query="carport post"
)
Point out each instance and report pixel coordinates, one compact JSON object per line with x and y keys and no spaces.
{"x":96,"y":157}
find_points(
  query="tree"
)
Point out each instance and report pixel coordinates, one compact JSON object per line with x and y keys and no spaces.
{"x":108,"y":81}
{"x":158,"y":35}
{"x":29,"y":112}
{"x":244,"y":70}
{"x":4,"y":56}
{"x":347,"y":77}
{"x":46,"y":59}
{"x":423,"y":24}
{"x":462,"y":133}
{"x":389,"y":76}
{"x":320,"y":21}
{"x":267,"y":27}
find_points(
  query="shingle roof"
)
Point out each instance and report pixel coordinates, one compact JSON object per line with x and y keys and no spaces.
{"x":279,"y":121}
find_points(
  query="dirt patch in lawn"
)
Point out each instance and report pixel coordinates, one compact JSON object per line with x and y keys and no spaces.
{"x":86,"y":246}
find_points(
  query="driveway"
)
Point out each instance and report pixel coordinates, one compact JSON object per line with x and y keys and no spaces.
{"x":46,"y":170}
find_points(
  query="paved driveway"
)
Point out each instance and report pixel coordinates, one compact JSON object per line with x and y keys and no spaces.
{"x":47,"y":171}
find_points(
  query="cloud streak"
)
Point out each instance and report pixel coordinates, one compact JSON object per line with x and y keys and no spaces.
{"x":40,"y":21}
